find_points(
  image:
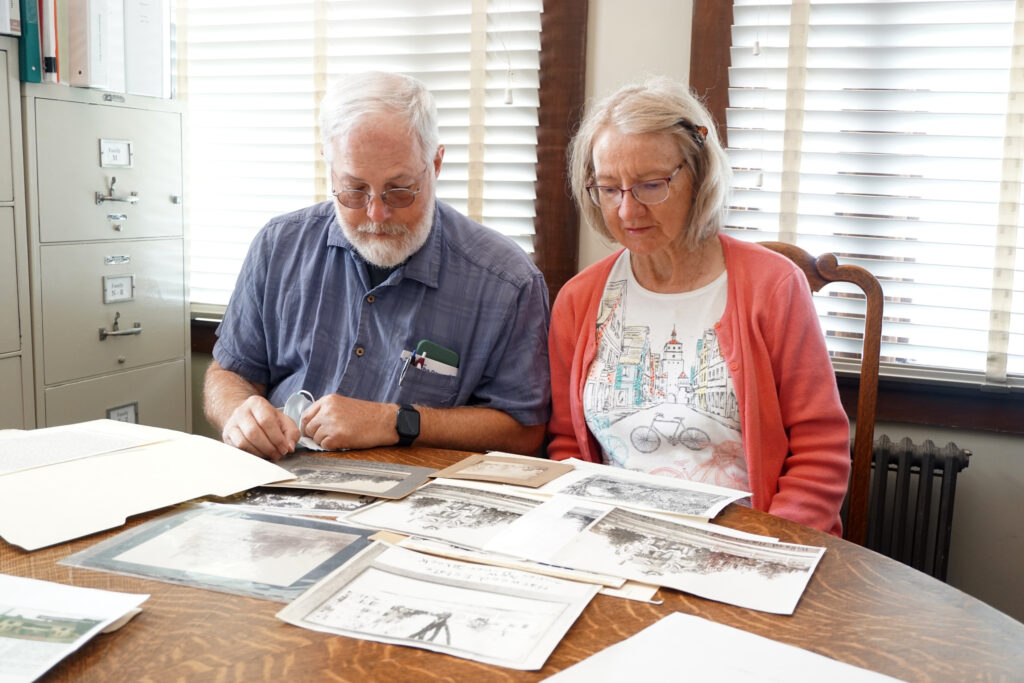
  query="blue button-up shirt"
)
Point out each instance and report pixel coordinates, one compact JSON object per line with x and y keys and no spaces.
{"x":304,"y":316}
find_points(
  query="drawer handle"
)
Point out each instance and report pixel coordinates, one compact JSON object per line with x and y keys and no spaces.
{"x":111,"y":197}
{"x":115,"y":331}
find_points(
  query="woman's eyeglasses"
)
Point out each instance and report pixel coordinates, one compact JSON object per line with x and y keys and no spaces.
{"x":652,"y":191}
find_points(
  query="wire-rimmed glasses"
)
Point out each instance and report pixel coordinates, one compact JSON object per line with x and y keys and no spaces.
{"x":653,"y":191}
{"x":396,"y":197}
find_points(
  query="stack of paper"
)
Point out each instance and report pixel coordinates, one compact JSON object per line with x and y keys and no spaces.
{"x":67,"y":482}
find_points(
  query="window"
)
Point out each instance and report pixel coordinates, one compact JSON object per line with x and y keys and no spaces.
{"x":890,"y":132}
{"x":251,"y":73}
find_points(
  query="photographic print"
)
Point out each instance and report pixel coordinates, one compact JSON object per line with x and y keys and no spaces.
{"x":763,"y":575}
{"x":42,"y":622}
{"x":458,"y":514}
{"x":361,"y":477}
{"x":636,"y":490}
{"x":505,"y":469}
{"x":494,"y":615}
{"x":298,"y":501}
{"x":232,"y":550}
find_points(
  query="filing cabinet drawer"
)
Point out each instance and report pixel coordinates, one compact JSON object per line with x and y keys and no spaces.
{"x":70,"y":173}
{"x":10,"y":322}
{"x":154,"y":395}
{"x":12,"y":411}
{"x":74,"y":312}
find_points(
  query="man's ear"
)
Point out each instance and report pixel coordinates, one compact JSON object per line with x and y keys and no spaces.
{"x":438,"y":157}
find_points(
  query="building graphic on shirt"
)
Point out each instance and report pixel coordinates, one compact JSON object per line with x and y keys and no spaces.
{"x":628,"y":374}
{"x":597,"y":394}
{"x":673,"y":380}
{"x":712,"y":395}
{"x":634,"y":374}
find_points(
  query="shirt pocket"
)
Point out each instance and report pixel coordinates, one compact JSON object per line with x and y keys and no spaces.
{"x":427,"y":388}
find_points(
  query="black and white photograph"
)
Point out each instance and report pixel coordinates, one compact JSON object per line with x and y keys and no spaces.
{"x":232,"y":550}
{"x":459,"y":514}
{"x":489,"y":614}
{"x":763,"y":575}
{"x":298,"y":501}
{"x":520,"y":471}
{"x":640,"y":491}
{"x":361,"y":477}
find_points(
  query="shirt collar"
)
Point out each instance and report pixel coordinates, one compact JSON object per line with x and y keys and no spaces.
{"x":423,"y":266}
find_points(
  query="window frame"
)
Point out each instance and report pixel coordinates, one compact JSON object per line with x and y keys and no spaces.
{"x":899,"y":400}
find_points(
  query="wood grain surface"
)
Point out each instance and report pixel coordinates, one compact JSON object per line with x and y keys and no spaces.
{"x":859,"y":607}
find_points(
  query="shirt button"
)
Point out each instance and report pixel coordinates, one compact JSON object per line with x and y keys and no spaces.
{"x":370,"y":299}
{"x":360,"y":351}
{"x":734,"y":365}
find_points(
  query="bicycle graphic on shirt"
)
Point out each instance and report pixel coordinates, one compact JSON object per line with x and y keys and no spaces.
{"x":647,"y":439}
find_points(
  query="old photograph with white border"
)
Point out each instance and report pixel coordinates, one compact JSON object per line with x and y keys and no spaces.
{"x":494,"y":615}
{"x":768,"y":576}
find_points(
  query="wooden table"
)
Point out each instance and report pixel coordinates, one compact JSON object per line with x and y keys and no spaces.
{"x":859,"y":607}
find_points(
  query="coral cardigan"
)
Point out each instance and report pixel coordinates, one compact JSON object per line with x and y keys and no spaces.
{"x":796,"y":438}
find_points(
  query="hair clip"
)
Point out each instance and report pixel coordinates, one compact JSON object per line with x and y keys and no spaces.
{"x":698,"y":133}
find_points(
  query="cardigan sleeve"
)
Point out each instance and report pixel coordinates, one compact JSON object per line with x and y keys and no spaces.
{"x":815,"y":473}
{"x":562,"y":341}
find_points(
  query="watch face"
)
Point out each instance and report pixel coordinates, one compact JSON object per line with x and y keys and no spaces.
{"x":408,"y":424}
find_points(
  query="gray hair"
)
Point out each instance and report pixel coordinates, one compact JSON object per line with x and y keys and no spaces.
{"x":658,"y":105}
{"x":354,"y":96}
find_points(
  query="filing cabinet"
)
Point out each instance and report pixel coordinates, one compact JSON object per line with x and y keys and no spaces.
{"x":107,"y":244}
{"x":16,"y":386}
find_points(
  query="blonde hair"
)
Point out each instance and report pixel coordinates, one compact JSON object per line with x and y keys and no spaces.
{"x":657,"y":105}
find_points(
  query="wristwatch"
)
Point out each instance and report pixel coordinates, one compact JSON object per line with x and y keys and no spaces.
{"x":407,"y":425}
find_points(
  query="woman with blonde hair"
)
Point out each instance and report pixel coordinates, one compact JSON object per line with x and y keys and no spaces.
{"x":689,"y":353}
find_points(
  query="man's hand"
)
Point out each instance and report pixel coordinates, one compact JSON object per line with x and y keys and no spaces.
{"x":258,"y":427}
{"x":337,"y":422}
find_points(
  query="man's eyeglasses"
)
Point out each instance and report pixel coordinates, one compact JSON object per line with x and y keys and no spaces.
{"x":396,"y":197}
{"x":653,"y":191}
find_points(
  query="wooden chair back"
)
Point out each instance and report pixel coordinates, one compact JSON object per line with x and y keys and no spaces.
{"x":821,"y":271}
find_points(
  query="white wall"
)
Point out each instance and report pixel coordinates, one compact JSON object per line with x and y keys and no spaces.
{"x":629,"y":40}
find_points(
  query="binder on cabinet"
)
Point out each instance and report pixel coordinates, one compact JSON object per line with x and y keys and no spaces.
{"x":96,"y":44}
{"x":30,"y":53}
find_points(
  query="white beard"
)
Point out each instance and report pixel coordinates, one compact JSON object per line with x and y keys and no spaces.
{"x":402,"y":241}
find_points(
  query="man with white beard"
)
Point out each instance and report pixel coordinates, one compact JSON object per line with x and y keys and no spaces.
{"x":403,"y":319}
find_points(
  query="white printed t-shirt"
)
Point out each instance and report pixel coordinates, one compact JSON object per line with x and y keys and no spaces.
{"x":658,"y":395}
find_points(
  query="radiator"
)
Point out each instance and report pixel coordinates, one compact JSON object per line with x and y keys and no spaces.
{"x":910,"y":514}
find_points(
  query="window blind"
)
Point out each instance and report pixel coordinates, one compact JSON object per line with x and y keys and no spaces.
{"x":891,"y":133}
{"x":251,"y":74}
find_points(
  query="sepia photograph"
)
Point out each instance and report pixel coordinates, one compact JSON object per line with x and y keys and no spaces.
{"x":493,"y":615}
{"x":457,"y":514}
{"x":298,"y":501}
{"x":232,"y":550}
{"x":519,"y":471}
{"x":361,"y":477}
{"x":768,"y":576}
